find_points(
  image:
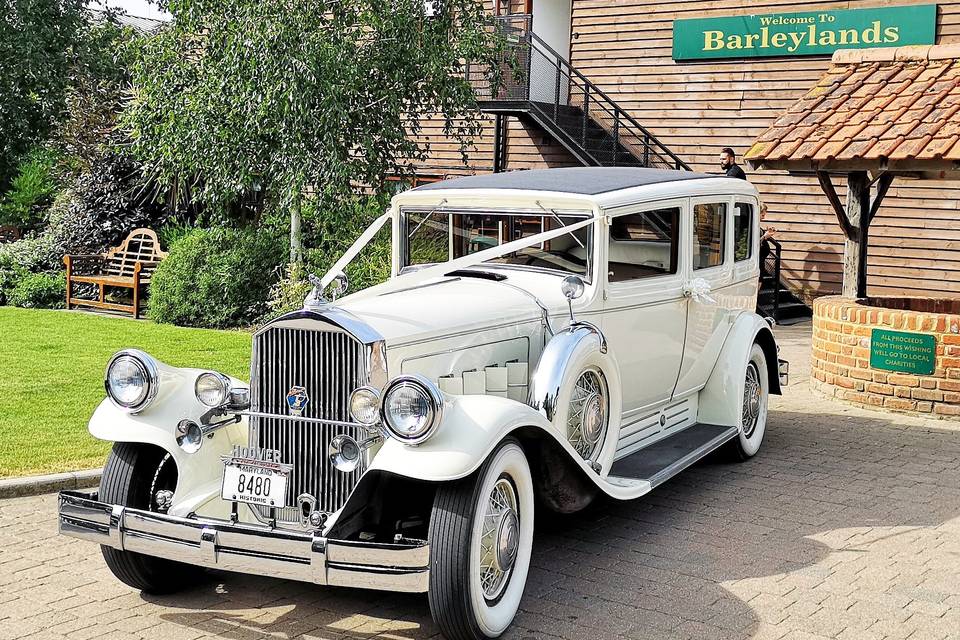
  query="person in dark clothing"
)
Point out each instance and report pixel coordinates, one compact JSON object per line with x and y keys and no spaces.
{"x":728,"y":162}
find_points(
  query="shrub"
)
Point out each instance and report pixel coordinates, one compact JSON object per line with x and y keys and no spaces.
{"x":216,"y":278}
{"x":10,"y":275}
{"x":31,"y":191}
{"x":106,"y":203}
{"x":39,"y":291}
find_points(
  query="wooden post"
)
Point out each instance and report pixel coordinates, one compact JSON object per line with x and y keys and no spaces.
{"x":69,"y":265}
{"x":136,"y":290}
{"x":855,"y":247}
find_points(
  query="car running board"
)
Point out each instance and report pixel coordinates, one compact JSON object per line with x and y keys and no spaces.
{"x":654,"y":465}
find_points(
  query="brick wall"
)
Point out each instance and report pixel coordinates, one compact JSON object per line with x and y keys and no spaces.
{"x":840,"y":364}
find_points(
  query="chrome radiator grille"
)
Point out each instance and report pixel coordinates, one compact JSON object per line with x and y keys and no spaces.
{"x":329,"y":365}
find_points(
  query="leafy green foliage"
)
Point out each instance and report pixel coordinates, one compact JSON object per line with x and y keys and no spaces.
{"x":285,"y":96}
{"x":108,"y":201}
{"x":39,"y":291}
{"x":216,"y":278}
{"x":45,"y":46}
{"x":31,"y":191}
{"x":332,"y":229}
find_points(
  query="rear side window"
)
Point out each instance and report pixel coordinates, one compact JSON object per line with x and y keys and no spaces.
{"x":643,"y":245}
{"x":742,"y":231}
{"x":709,"y":228}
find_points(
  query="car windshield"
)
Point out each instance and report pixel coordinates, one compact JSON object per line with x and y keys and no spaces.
{"x":431,"y":237}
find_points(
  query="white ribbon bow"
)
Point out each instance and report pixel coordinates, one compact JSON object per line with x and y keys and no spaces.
{"x":699,"y":290}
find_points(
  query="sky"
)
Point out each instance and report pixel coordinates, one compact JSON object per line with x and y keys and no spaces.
{"x":139,"y":8}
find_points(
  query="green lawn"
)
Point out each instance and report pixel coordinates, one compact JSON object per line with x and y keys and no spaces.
{"x":51,"y":379}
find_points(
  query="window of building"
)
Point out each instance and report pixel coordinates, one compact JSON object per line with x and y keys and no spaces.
{"x":709,"y":226}
{"x":742,"y":231}
{"x":643,"y":245}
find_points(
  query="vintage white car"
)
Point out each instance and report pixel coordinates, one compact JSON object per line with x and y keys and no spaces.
{"x":547,"y":337}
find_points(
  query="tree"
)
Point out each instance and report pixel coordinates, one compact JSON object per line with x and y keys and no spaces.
{"x":291,"y":96}
{"x":45,"y":46}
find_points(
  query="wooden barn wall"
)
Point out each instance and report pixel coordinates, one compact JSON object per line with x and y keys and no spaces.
{"x":527,"y":147}
{"x":696,"y":108}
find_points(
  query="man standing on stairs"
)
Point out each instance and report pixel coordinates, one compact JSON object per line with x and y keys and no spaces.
{"x":728,"y":162}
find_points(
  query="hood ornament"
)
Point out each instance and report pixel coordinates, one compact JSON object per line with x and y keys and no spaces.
{"x":316,"y":300}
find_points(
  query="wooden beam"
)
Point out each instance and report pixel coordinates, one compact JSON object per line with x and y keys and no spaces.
{"x":855,"y":248}
{"x":827,"y":185}
{"x":883,"y":185}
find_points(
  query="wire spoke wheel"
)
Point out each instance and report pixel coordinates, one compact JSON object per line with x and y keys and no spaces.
{"x":752,"y":400}
{"x":587,"y":416}
{"x":499,"y":539}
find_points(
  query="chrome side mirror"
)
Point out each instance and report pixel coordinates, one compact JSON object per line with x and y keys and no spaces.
{"x":572,"y":288}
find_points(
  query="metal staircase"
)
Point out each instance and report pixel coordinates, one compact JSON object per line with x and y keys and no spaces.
{"x":537,"y":84}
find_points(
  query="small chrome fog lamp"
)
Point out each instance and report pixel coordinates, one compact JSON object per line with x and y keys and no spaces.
{"x":365,"y":406}
{"x":411,"y":409}
{"x":131,"y":380}
{"x":189,"y":436}
{"x":212,"y":389}
{"x":344,"y":453}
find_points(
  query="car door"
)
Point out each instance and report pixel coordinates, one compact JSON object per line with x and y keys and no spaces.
{"x":645,"y":308}
{"x":709,"y":277}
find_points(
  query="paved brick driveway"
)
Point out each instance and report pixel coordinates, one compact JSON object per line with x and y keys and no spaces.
{"x":847,"y":525}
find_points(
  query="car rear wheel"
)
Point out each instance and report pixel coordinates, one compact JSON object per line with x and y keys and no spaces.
{"x":753,"y":413}
{"x":481,"y":536}
{"x":135,"y":474}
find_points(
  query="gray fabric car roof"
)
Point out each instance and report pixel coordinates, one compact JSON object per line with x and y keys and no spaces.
{"x":579,"y":180}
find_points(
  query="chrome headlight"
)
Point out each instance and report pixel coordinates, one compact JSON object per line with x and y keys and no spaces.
{"x":131,"y":380}
{"x":411,"y":409}
{"x":365,"y":406}
{"x":212,"y":389}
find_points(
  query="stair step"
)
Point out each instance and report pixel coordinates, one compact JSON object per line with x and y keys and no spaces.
{"x":661,"y":461}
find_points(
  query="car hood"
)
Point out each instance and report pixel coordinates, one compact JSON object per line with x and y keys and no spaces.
{"x":450,"y":305}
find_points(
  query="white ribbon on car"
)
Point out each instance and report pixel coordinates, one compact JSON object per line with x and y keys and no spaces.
{"x":354,"y":249}
{"x":419,"y":276}
{"x":698,"y":290}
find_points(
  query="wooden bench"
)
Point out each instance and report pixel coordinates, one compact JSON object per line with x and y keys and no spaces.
{"x":128,"y":266}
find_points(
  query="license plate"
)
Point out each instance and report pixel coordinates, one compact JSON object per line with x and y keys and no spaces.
{"x":255,"y":482}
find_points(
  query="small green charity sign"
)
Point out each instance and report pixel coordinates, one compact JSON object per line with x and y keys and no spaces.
{"x":901,"y":351}
{"x":803,"y":34}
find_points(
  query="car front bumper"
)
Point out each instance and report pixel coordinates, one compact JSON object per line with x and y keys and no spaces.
{"x":246,"y":548}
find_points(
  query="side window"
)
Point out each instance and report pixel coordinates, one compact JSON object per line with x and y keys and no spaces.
{"x":709,"y":226}
{"x":643,"y":245}
{"x":742,"y":231}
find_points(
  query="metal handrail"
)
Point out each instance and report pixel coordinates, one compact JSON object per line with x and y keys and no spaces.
{"x":623,"y":126}
{"x":590,"y":87}
{"x":775,"y":251}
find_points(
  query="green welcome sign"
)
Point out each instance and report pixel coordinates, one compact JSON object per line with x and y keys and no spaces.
{"x":902,"y":351}
{"x":803,"y":34}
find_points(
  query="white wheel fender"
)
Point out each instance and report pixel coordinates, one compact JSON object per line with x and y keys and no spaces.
{"x":156,"y":425}
{"x":721,"y":399}
{"x":567,"y":354}
{"x":470,"y":429}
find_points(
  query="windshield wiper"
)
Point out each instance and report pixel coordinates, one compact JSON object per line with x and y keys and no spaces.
{"x":473,"y":273}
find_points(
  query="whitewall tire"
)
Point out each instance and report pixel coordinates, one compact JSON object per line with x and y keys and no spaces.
{"x":481,"y":537}
{"x":753,"y":413}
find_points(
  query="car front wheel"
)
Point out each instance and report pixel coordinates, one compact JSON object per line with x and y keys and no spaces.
{"x":133,"y":477}
{"x":481,"y":536}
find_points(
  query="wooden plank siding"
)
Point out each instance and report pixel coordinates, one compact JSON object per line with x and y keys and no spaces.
{"x":696,"y":108}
